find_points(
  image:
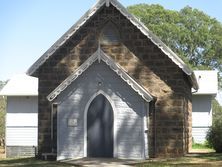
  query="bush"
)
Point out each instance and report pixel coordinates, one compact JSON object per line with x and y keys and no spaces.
{"x":2,"y":116}
{"x":214,"y":135}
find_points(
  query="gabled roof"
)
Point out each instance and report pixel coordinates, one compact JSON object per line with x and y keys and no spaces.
{"x":133,"y":20}
{"x":21,"y":85}
{"x":99,"y":56}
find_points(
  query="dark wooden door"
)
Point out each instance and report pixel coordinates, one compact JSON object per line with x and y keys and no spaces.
{"x":100,"y":128}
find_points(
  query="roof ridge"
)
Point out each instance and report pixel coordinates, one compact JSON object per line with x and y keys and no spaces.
{"x":164,"y":48}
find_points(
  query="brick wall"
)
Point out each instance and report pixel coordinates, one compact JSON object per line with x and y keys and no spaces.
{"x":144,"y":62}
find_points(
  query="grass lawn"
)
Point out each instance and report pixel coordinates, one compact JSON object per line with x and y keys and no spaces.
{"x":197,"y":160}
{"x":30,"y":162}
{"x":202,"y":148}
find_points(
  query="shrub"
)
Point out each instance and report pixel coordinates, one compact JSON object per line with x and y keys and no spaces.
{"x":214,"y":135}
{"x":2,"y":116}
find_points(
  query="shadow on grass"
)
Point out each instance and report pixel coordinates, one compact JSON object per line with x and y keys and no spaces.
{"x":208,"y":156}
{"x":30,"y":162}
{"x":192,"y":159}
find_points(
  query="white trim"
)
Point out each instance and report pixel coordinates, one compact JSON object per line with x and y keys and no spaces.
{"x":146,"y":129}
{"x":152,"y":37}
{"x":58,"y":135}
{"x":143,"y":29}
{"x":114,"y":121}
{"x":100,"y":55}
{"x":65,"y":37}
{"x":107,"y":3}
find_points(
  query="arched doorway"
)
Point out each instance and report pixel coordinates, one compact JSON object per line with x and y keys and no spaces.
{"x":100,"y":128}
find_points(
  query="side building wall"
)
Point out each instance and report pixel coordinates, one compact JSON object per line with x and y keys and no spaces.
{"x":21,"y":126}
{"x":202,"y":117}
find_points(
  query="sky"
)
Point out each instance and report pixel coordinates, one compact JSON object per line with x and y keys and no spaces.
{"x":29,"y":27}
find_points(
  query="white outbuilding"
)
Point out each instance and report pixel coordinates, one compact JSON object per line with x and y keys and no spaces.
{"x":202,"y":103}
{"x":21,"y":116}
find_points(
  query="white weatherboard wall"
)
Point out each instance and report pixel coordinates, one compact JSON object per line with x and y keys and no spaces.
{"x":22,"y":121}
{"x":129,"y":114}
{"x":202,"y":99}
{"x":202,"y":117}
{"x":21,"y":116}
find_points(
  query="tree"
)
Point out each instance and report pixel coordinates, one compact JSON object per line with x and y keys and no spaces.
{"x":2,"y":84}
{"x":214,"y":134}
{"x":2,"y":112}
{"x":192,"y":34}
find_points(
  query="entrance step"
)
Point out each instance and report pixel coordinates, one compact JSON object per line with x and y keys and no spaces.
{"x":49,"y":156}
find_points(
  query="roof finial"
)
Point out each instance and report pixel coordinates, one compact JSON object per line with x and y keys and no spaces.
{"x":107,"y":3}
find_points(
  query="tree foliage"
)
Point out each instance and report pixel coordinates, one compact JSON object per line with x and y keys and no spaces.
{"x":2,"y":84}
{"x":2,"y":111}
{"x":2,"y":116}
{"x":214,"y":134}
{"x":192,"y":34}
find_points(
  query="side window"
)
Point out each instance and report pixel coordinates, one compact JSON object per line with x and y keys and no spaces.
{"x":109,"y":35}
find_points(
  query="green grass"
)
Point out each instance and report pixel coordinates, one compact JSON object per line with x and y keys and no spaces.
{"x":31,"y":162}
{"x":210,"y":156}
{"x":197,"y":160}
{"x":200,"y":146}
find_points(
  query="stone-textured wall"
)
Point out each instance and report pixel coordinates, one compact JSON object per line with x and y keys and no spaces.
{"x":20,"y":151}
{"x":144,"y":62}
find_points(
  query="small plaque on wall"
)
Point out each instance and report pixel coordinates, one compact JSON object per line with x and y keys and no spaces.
{"x":72,"y":122}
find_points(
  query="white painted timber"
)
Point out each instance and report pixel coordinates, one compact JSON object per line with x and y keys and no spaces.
{"x":201,"y":117}
{"x":199,"y":134}
{"x":22,"y":121}
{"x":207,"y":81}
{"x":21,"y":85}
{"x":129,"y":112}
{"x":21,"y":136}
{"x":202,"y":109}
{"x":100,"y":55}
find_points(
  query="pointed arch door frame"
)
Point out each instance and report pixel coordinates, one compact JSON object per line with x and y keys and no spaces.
{"x":114,"y":121}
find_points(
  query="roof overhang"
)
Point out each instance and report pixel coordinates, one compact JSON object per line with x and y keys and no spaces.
{"x":207,"y":81}
{"x":21,"y":85}
{"x":133,"y":20}
{"x":99,"y":56}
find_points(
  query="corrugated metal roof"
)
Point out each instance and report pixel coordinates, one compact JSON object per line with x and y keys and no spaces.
{"x":207,"y":81}
{"x":21,"y":85}
{"x":133,"y":20}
